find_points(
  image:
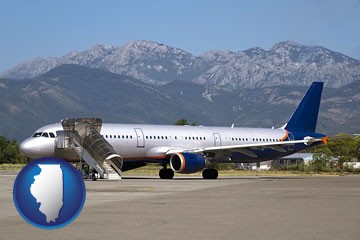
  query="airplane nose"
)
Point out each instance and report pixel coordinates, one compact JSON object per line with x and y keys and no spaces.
{"x":26,"y":147}
{"x":37,"y":147}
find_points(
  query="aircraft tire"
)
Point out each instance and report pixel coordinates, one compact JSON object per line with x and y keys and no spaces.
{"x":205,"y":173}
{"x":210,"y":173}
{"x":214,"y":173}
{"x":166,"y":173}
{"x":93,"y":177}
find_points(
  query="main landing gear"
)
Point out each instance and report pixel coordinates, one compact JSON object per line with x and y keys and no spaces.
{"x":207,"y":173}
{"x":210,"y":173}
{"x":166,"y":173}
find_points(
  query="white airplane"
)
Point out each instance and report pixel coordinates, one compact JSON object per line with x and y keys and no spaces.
{"x":189,"y":149}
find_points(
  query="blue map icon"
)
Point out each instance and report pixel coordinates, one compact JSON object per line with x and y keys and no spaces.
{"x":49,"y":193}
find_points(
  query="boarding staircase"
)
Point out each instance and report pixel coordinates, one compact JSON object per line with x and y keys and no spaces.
{"x":83,"y":136}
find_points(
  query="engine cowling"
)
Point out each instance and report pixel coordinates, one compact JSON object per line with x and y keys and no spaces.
{"x":187,"y":162}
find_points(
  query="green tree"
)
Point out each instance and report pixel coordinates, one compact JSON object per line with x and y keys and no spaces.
{"x":10,"y":152}
{"x":357,"y":147}
{"x":322,"y":157}
{"x":184,"y":122}
{"x":344,"y":149}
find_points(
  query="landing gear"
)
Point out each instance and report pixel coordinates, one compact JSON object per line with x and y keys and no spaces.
{"x":93,"y":177}
{"x":210,"y":173}
{"x":166,"y":173}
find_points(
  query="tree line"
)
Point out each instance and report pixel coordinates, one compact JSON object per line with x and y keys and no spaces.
{"x":10,"y":152}
{"x":340,"y":149}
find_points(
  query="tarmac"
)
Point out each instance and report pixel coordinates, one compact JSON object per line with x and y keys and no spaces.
{"x":193,"y":208}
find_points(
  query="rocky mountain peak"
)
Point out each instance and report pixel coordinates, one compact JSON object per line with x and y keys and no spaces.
{"x":286,"y":45}
{"x":102,"y":49}
{"x":145,"y":46}
{"x":155,"y":63}
{"x":309,"y":54}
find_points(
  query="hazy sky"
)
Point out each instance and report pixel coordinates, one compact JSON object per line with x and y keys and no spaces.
{"x":33,"y":28}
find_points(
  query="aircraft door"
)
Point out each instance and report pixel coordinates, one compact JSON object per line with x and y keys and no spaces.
{"x":217,"y":139}
{"x":140,"y":137}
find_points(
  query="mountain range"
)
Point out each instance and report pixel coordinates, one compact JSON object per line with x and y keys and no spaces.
{"x":72,"y":90}
{"x":286,"y":63}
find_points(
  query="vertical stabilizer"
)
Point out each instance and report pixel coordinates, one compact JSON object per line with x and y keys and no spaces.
{"x":304,"y":118}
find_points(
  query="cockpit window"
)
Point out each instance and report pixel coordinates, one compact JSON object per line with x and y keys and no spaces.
{"x":45,"y":134}
{"x":37,"y":134}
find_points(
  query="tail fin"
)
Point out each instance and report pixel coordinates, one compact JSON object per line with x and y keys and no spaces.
{"x":304,"y":118}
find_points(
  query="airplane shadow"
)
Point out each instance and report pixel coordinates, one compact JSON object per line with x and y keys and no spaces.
{"x":220,"y":178}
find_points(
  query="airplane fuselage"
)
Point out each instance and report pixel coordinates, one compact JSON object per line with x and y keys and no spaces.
{"x":139,"y":142}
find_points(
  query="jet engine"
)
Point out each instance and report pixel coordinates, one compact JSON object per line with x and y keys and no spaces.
{"x":187,"y":162}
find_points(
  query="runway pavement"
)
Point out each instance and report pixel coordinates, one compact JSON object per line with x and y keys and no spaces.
{"x":193,"y":208}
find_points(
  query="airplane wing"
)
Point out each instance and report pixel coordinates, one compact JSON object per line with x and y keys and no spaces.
{"x":247,"y":148}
